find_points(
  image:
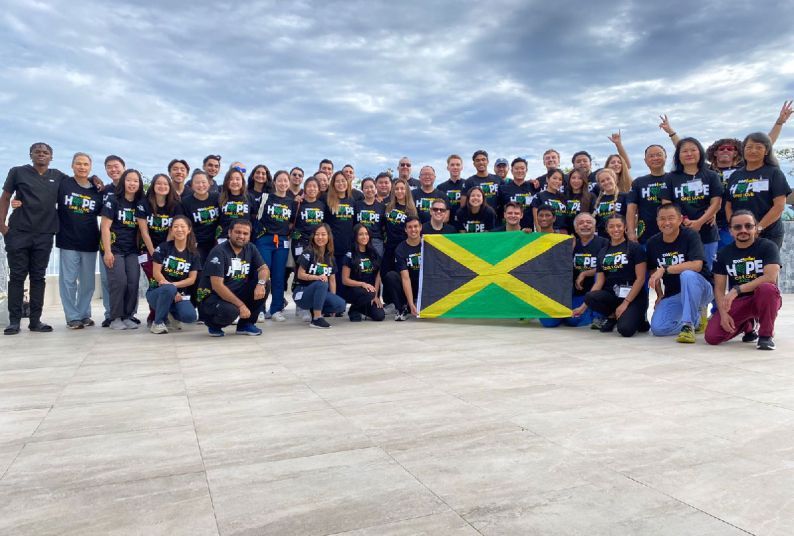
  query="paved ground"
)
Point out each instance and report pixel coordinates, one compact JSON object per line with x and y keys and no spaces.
{"x":429,"y":427}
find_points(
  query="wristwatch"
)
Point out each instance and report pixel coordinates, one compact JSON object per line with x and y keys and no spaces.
{"x":261,"y":282}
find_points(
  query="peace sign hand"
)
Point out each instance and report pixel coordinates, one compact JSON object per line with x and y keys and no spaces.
{"x":665,"y":124}
{"x":785,"y":112}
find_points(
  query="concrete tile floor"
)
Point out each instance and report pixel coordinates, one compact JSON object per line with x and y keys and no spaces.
{"x":422,"y":427}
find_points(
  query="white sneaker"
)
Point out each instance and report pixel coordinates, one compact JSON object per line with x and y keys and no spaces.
{"x":261,"y":317}
{"x":173,"y":323}
{"x":118,"y":324}
{"x":130,"y":324}
{"x":306,"y":316}
{"x":278,"y":316}
{"x":157,"y":329}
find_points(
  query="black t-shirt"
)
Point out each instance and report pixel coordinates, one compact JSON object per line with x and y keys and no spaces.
{"x":452,"y":189}
{"x":482,"y":221}
{"x":745,"y":265}
{"x":236,"y":207}
{"x":647,"y":193}
{"x":408,"y":257}
{"x":617,"y":263}
{"x":363,"y":266}
{"x":310,"y":215}
{"x":557,"y":203}
{"x":341,"y":222}
{"x":693,"y":193}
{"x":395,"y":224}
{"x":176,"y":264}
{"x":357,"y":195}
{"x":490,"y":187}
{"x":78,"y":209}
{"x":314,"y":266}
{"x":424,"y":200}
{"x":574,"y":204}
{"x":521,"y":194}
{"x":124,"y":228}
{"x":214,"y":188}
{"x":235,"y":269}
{"x":756,"y":191}
{"x":585,"y":257}
{"x":606,"y":207}
{"x":157,"y":221}
{"x":372,"y":217}
{"x":39,"y":196}
{"x":427,"y":228}
{"x":686,"y":247}
{"x":725,"y":175}
{"x":277,"y":215}
{"x":203,"y":215}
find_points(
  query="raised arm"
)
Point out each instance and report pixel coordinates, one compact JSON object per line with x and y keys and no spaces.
{"x":785,"y":113}
{"x":618,"y":141}
{"x":665,"y":125}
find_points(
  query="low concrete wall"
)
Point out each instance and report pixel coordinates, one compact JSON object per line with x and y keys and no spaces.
{"x":787,"y":260}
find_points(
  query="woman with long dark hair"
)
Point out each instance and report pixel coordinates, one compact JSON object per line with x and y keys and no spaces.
{"x":371,"y":213}
{"x":400,"y":207}
{"x":340,"y":215}
{"x":553,"y":198}
{"x":119,"y":234}
{"x":476,"y":216}
{"x":175,"y":267}
{"x":234,"y":202}
{"x":579,"y":198}
{"x":315,"y":288}
{"x":361,"y":277}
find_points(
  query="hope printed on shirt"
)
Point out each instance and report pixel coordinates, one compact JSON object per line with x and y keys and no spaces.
{"x":574,"y":206}
{"x":608,"y":207}
{"x":558,"y":207}
{"x":691,"y":191}
{"x":584,"y":261}
{"x":490,"y":189}
{"x":653,"y":191}
{"x":126,"y":217}
{"x":414,"y":261}
{"x":396,"y":216}
{"x":614,"y":261}
{"x":474,"y":226}
{"x":522,"y":199}
{"x":279,"y":212}
{"x":746,"y":269}
{"x":312,"y":216}
{"x":365,"y":265}
{"x":159,"y":222}
{"x":238,"y":269}
{"x":235,"y":209}
{"x":79,"y":204}
{"x":453,"y":196}
{"x":345,"y":212}
{"x":317,"y":268}
{"x":670,"y":258}
{"x":368,"y":217}
{"x":205,"y":215}
{"x":176,"y":267}
{"x":424,"y":203}
{"x":747,"y":188}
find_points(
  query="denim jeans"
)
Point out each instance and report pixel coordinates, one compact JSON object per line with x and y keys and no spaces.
{"x":318,"y":297}
{"x":76,"y":280}
{"x":276,"y":260}
{"x":671,"y":313}
{"x":161,"y":299}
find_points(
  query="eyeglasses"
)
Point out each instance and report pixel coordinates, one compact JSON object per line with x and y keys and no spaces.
{"x":403,"y":164}
{"x":296,"y":174}
{"x":726,"y":148}
{"x":238,"y":168}
{"x":437,"y":209}
{"x":746,"y":226}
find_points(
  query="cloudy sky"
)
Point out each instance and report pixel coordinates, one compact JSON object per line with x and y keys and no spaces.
{"x":289,"y":83}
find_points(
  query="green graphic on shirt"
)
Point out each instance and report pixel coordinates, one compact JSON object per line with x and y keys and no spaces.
{"x":368,"y":217}
{"x":202,"y":293}
{"x":454,"y":197}
{"x":614,"y":261}
{"x":425,"y":202}
{"x":344,"y":212}
{"x":396,"y":216}
{"x":127,"y":217}
{"x":319,"y":268}
{"x":312,"y":216}
{"x":235,"y":209}
{"x":365,"y":266}
{"x":414,"y":261}
{"x":489,"y":189}
{"x":205,"y":215}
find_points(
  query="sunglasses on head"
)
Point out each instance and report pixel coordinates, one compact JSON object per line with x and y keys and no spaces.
{"x":745,"y":226}
{"x":238,"y":168}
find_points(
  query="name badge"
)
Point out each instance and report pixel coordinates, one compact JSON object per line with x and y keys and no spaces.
{"x":221,"y":241}
{"x":695,"y":186}
{"x":237,"y":265}
{"x":286,"y":243}
{"x":623,"y":291}
{"x":142,"y":258}
{"x":298,"y":251}
{"x":762,"y":185}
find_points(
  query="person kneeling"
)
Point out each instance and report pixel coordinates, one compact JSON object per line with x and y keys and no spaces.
{"x":229,"y":287}
{"x":749,"y":268}
{"x":677,"y":254}
{"x":175,"y":265}
{"x":315,"y":285}
{"x":619,"y":291}
{"x":361,"y":278}
{"x":401,"y":286}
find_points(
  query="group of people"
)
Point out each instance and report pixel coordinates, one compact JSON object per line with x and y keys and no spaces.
{"x":707,"y":231}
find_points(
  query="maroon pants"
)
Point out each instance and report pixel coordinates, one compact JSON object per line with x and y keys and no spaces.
{"x":762,"y":306}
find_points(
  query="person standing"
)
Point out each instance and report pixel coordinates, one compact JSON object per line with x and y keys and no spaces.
{"x":371,"y":213}
{"x":748,"y":270}
{"x":487,"y":182}
{"x":79,"y":205}
{"x":119,"y":232}
{"x":28,"y":235}
{"x":453,"y":187}
{"x":519,"y":190}
{"x":646,"y":195}
{"x":553,"y":198}
{"x":233,"y":283}
{"x":404,"y":173}
{"x":201,"y":207}
{"x":676,"y":259}
{"x":610,"y":200}
{"x":114,"y":167}
{"x":427,"y":193}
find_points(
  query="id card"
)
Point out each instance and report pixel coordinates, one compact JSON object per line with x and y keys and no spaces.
{"x":222,"y":240}
{"x":623,"y":291}
{"x":695,"y":186}
{"x":142,"y":258}
{"x":286,"y":244}
{"x":298,"y":295}
{"x":237,"y":265}
{"x":761,"y":185}
{"x":298,"y":251}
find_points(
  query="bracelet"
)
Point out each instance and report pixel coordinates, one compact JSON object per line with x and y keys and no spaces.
{"x":673,"y":134}
{"x":779,"y":123}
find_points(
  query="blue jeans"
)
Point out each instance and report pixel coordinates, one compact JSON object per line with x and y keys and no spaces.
{"x":672,"y":313}
{"x":725,"y":237}
{"x":76,"y":283}
{"x":585,"y":320}
{"x":318,"y":297}
{"x":710,"y":250}
{"x":276,"y":260}
{"x":161,"y":299}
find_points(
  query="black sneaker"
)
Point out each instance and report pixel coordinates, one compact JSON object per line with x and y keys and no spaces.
{"x":11,"y":329}
{"x":355,"y":317}
{"x":106,"y":323}
{"x":598,"y":323}
{"x":74,"y":324}
{"x":134,"y":319}
{"x":87,"y":322}
{"x":319,"y":323}
{"x":609,"y":325}
{"x":41,"y":327}
{"x":752,"y":336}
{"x":645,"y":327}
{"x":339,"y":315}
{"x":765,"y":343}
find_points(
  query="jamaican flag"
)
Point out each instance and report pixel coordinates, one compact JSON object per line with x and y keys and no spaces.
{"x":496,"y":275}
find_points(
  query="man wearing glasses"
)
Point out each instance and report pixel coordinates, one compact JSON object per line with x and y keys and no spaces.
{"x":748,"y":269}
{"x":404,"y":172}
{"x":295,"y":182}
{"x":427,"y":193}
{"x":438,"y":217}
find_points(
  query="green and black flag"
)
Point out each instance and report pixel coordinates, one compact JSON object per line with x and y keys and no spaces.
{"x":496,"y":275}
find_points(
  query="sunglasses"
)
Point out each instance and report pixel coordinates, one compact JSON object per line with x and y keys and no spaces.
{"x":727,"y":148}
{"x":436,"y":209}
{"x":238,"y":168}
{"x":746,"y":226}
{"x":297,"y":175}
{"x":405,"y":165}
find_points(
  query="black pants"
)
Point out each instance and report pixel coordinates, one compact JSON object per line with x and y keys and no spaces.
{"x":605,"y":302}
{"x":387,"y":263}
{"x":28,"y":255}
{"x":361,"y":304}
{"x":393,"y":290}
{"x":218,"y":313}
